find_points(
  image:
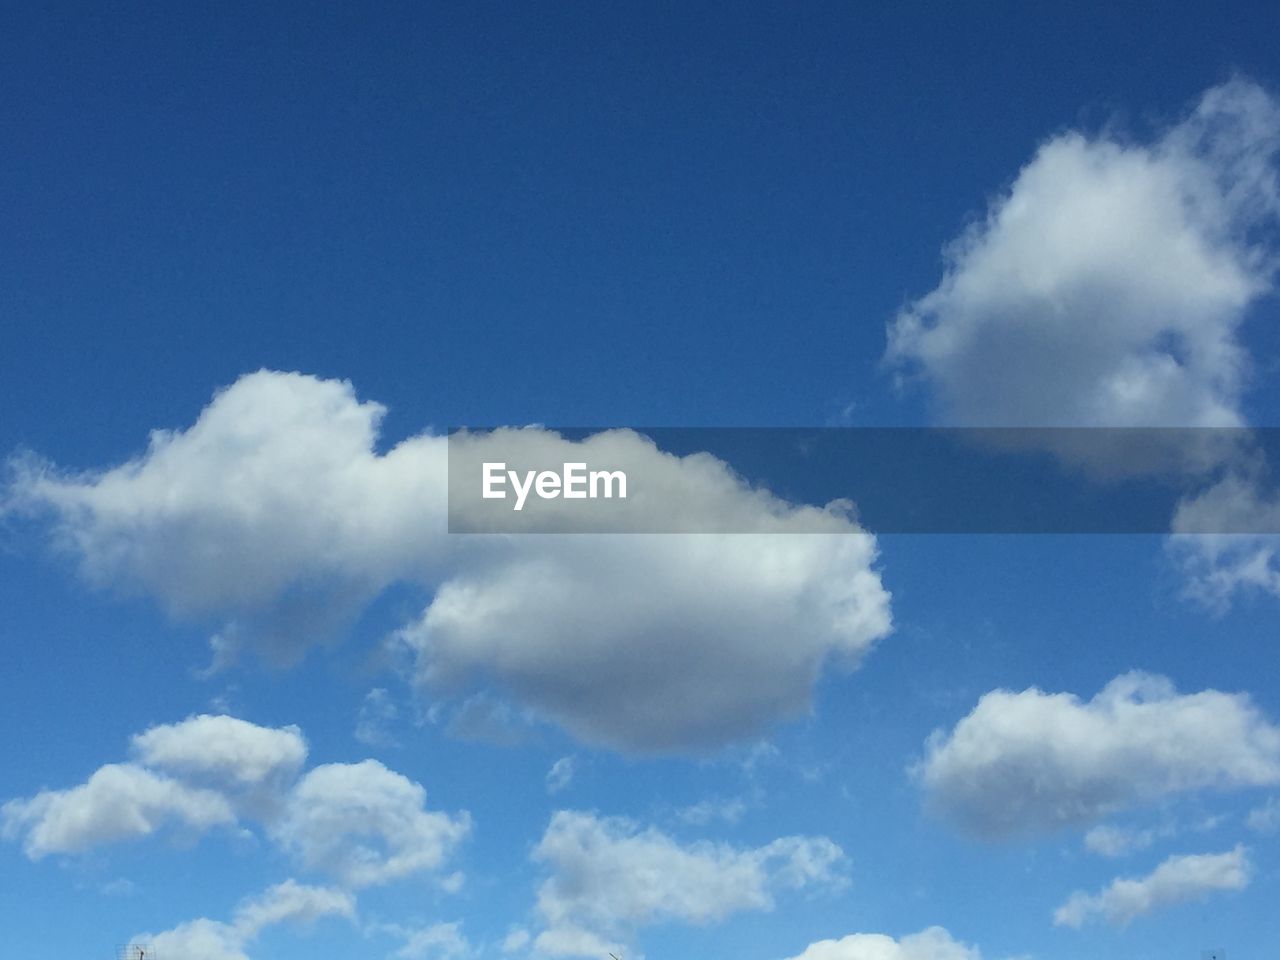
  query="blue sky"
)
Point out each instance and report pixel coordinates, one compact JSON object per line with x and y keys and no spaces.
{"x":365,"y":226}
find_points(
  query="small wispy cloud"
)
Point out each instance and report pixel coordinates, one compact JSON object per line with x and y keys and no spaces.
{"x":1266,"y":818}
{"x":1179,"y":879}
{"x":729,"y":810}
{"x":561,"y":774}
{"x":377,"y":714}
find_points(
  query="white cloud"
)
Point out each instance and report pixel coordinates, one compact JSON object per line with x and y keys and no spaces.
{"x":483,"y":718}
{"x":667,"y":493}
{"x":276,"y":514}
{"x":359,"y":822}
{"x":441,"y":940}
{"x":1177,"y":880}
{"x":1219,"y":565}
{"x":608,"y":877}
{"x":273,"y":509}
{"x":119,"y":802}
{"x":1110,"y":841}
{"x":1108,"y":285}
{"x":365,"y":824}
{"x":201,"y":939}
{"x":377,"y":713}
{"x":288,"y":902}
{"x":568,"y":940}
{"x":516,"y":939}
{"x":934,"y":943}
{"x":706,"y":637}
{"x":1265,"y":818}
{"x":203,"y":772}
{"x":704,"y":811}
{"x":560,"y":775}
{"x":224,"y":651}
{"x":1030,"y":761}
{"x":291,"y":902}
{"x":226,"y":749}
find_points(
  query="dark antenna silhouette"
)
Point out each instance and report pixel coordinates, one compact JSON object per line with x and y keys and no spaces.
{"x":135,"y":951}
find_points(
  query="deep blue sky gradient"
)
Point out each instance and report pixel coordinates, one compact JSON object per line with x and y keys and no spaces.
{"x":678,"y":214}
{"x":592,"y":214}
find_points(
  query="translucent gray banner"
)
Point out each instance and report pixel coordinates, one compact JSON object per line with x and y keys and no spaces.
{"x":883,"y":480}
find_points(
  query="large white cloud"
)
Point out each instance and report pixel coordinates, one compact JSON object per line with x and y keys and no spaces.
{"x":657,"y":642}
{"x":1028,"y":761}
{"x":273,"y":508}
{"x":934,"y":943}
{"x":276,"y":512}
{"x":608,"y":877}
{"x":288,"y":902}
{"x":1177,"y":880}
{"x":365,"y":824}
{"x":1107,"y":286}
{"x":119,"y":802}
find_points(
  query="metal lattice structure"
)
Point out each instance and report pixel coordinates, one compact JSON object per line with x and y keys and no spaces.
{"x":135,"y":951}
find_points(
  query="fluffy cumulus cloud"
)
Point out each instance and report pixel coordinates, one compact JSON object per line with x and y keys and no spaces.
{"x":287,"y":902}
{"x":119,"y":802}
{"x":608,"y":877}
{"x":1108,"y":285}
{"x":935,"y":943}
{"x":203,"y":772}
{"x":365,"y":824}
{"x":1029,"y":761}
{"x":273,"y":508}
{"x":704,"y":637}
{"x":223,"y":748}
{"x":358,"y":823}
{"x":1178,"y":879}
{"x":276,"y":515}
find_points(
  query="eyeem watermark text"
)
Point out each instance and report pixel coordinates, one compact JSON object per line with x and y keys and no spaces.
{"x":573,"y":482}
